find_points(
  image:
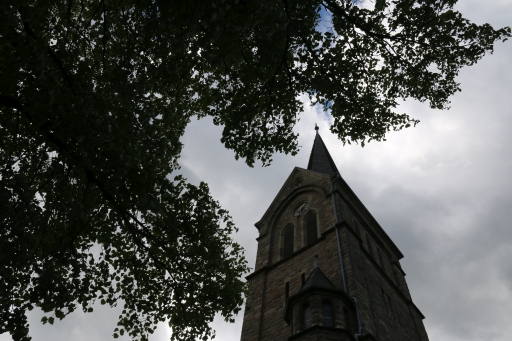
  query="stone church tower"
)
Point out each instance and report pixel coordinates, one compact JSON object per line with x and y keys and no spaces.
{"x":325,"y":269}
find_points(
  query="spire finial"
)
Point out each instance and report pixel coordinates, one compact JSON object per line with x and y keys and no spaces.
{"x":316,"y":262}
{"x":316,"y":128}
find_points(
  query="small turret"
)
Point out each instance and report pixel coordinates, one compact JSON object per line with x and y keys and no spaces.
{"x":320,"y":310}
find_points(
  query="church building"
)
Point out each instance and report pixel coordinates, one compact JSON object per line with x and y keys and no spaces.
{"x":325,"y":269}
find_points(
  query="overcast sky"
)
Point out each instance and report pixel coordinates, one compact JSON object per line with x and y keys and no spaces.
{"x":442,"y":191}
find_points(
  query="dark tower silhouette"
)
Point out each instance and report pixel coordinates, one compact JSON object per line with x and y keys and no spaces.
{"x":355,"y":290}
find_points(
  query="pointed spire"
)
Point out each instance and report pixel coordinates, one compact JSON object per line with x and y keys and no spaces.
{"x":320,"y":160}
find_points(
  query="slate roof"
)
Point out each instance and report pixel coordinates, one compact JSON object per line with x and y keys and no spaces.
{"x":320,"y":160}
{"x":317,"y":279}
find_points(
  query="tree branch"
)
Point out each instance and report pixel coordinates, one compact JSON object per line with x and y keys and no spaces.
{"x":63,"y":71}
{"x":11,"y":102}
{"x":332,"y":6}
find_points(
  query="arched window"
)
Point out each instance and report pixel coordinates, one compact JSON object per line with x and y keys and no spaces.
{"x":288,"y":240}
{"x":369,"y":244}
{"x":356,"y":228}
{"x":380,"y":259}
{"x":384,"y":301}
{"x":391,"y":308}
{"x":306,"y":315}
{"x":311,"y":227}
{"x":327,"y":316}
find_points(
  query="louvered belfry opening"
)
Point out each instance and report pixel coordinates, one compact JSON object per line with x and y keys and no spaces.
{"x":288,"y":240}
{"x":311,"y":227}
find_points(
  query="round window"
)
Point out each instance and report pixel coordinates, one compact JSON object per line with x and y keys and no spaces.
{"x":300,"y":208}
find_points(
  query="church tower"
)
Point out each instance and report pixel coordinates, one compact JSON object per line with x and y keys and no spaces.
{"x":325,"y":269}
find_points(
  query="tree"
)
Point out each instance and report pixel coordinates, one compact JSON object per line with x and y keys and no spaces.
{"x":95,"y":96}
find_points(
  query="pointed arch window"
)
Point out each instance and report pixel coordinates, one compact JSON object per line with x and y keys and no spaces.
{"x":288,"y":244}
{"x":311,"y":227}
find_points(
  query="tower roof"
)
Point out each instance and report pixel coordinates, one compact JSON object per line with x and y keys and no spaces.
{"x":320,"y":160}
{"x":317,"y":279}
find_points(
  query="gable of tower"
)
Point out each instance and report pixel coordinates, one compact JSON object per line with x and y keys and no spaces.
{"x":299,"y":180}
{"x":309,"y":189}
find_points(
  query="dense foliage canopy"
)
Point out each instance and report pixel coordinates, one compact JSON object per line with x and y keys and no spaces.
{"x":95,"y":95}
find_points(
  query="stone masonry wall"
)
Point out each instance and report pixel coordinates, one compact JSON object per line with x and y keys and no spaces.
{"x":374,"y":275}
{"x":265,"y":305}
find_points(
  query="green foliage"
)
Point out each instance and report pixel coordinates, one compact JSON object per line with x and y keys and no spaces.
{"x":95,"y":96}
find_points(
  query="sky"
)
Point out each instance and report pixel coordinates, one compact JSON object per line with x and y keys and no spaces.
{"x":442,"y":191}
